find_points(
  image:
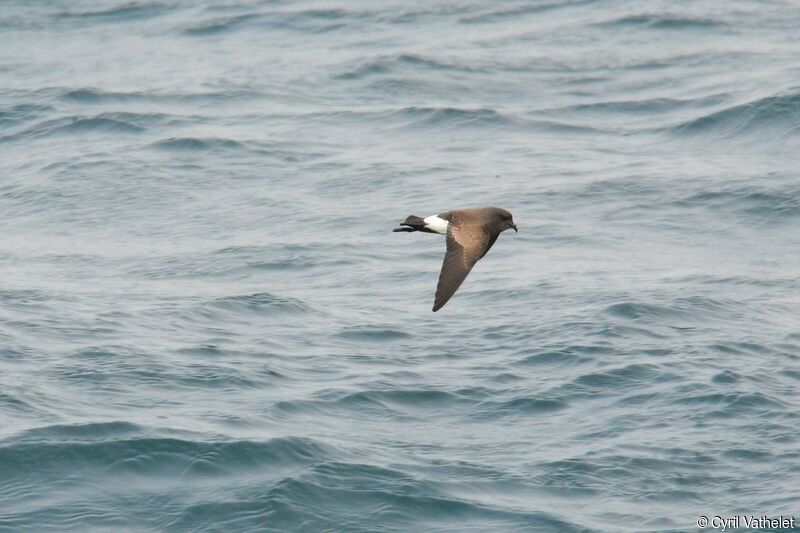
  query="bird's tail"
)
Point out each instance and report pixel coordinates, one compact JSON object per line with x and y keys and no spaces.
{"x":412,"y":223}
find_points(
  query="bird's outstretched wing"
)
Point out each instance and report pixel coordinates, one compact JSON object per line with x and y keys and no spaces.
{"x":464,"y":247}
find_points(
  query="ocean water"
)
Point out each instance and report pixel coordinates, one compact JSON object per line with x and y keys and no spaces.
{"x":206,"y":323}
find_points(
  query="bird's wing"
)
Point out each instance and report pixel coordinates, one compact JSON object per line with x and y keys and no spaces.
{"x":464,"y":248}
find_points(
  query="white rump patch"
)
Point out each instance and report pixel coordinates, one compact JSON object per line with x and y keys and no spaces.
{"x":439,"y":225}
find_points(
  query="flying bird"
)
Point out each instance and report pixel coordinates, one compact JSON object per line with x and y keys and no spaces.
{"x":470,"y":234}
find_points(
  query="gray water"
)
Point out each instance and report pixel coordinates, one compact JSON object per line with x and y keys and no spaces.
{"x":206,"y":323}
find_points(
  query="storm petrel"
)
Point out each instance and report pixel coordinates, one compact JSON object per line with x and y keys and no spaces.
{"x":470,"y":234}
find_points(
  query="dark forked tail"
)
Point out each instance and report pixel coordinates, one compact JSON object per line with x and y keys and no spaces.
{"x":413,"y":223}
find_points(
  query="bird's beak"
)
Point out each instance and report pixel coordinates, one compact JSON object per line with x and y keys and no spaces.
{"x":515,"y":228}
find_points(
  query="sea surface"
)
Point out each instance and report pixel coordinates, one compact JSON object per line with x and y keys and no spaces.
{"x":207,"y":324}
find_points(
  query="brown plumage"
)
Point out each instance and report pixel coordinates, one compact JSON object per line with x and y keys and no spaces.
{"x":470,"y":234}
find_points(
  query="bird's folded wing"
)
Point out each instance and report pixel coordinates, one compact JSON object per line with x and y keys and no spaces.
{"x":464,"y":248}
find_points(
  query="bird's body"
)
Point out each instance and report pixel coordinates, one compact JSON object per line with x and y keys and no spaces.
{"x":470,"y":234}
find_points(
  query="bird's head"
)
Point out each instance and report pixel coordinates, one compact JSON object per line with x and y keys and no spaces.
{"x":505,"y":220}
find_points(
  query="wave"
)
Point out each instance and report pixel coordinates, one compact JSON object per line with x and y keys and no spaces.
{"x":449,"y":116}
{"x":119,"y":448}
{"x":647,"y":106}
{"x":277,"y":152}
{"x":237,"y":262}
{"x":612,"y":382}
{"x":393,"y":64}
{"x":710,"y":279}
{"x":626,"y":375}
{"x":569,"y":356}
{"x":94,"y":95}
{"x":407,"y":405}
{"x":87,"y":95}
{"x":220,"y":25}
{"x":23,"y":296}
{"x":500,"y":15}
{"x":410,"y":398}
{"x":64,"y":474}
{"x":76,"y":125}
{"x":528,"y":406}
{"x":733,"y":404}
{"x":372,"y":333}
{"x":663,"y":22}
{"x":194,"y":144}
{"x":100,"y":124}
{"x":120,"y":123}
{"x":435,"y":117}
{"x":94,"y":431}
{"x":365,"y":497}
{"x":750,"y":202}
{"x":382,"y":403}
{"x":690,"y":309}
{"x":124,"y":12}
{"x":416,"y":404}
{"x":594,"y":472}
{"x":258,"y":303}
{"x":779,"y":115}
{"x":20,"y":113}
{"x":304,"y":20}
{"x":454,"y":117}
